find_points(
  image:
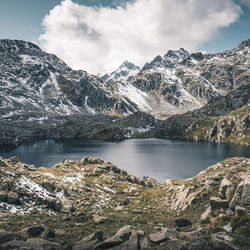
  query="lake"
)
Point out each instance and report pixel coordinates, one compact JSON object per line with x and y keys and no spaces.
{"x":157,"y":158}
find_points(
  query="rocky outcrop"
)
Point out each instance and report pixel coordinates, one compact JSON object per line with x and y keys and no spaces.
{"x":88,"y":204}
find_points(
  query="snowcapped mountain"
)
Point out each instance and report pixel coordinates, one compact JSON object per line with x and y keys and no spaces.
{"x":35,"y":84}
{"x":123,"y":74}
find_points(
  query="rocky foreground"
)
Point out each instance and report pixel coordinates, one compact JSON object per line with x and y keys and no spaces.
{"x":92,"y":204}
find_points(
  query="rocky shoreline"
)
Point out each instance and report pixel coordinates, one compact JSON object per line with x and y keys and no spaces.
{"x":92,"y":204}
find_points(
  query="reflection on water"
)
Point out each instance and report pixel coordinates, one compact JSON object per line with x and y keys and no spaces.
{"x":157,"y":158}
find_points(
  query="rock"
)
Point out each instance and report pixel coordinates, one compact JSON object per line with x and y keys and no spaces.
{"x":149,"y":182}
{"x":206,"y":214}
{"x":67,"y":206}
{"x":242,"y":195}
{"x":89,"y":242}
{"x":122,"y":235}
{"x":15,"y":244}
{"x":33,"y":231}
{"x":197,"y":244}
{"x":5,"y":236}
{"x":48,"y":234}
{"x":99,"y":219}
{"x":228,"y":228}
{"x":159,"y":237}
{"x":222,"y":236}
{"x":240,"y":211}
{"x":3,"y":164}
{"x":38,"y":243}
{"x":50,"y":186}
{"x":144,"y":243}
{"x":13,"y":198}
{"x":183,"y":222}
{"x":133,"y":242}
{"x":225,"y":188}
{"x":217,"y":203}
{"x":14,"y":159}
{"x":3,"y":196}
{"x":219,"y":245}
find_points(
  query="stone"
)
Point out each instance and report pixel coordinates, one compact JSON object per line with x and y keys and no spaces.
{"x":222,"y":236}
{"x":159,"y":237}
{"x":225,"y":188}
{"x":133,"y":242}
{"x":206,"y":214}
{"x":144,"y":243}
{"x":89,"y":242}
{"x":122,"y":235}
{"x":197,"y":244}
{"x":228,"y":228}
{"x":240,"y":211}
{"x":5,"y":236}
{"x":3,"y":196}
{"x":38,"y":243}
{"x":50,"y":186}
{"x":3,"y":164}
{"x":48,"y":234}
{"x":242,"y":195}
{"x":99,"y":219}
{"x":33,"y":231}
{"x":14,"y":159}
{"x":183,"y":222}
{"x":218,"y":203}
{"x":67,"y":206}
{"x":218,"y":244}
{"x":13,"y":198}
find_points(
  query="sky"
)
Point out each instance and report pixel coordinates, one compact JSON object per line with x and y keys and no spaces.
{"x":97,"y":35}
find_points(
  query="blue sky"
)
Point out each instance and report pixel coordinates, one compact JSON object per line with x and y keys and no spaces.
{"x":22,"y":19}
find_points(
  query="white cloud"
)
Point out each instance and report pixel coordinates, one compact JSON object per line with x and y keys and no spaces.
{"x":95,"y":39}
{"x":245,"y":2}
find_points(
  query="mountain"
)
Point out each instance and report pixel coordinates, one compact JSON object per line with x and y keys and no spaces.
{"x":223,"y":119}
{"x":196,"y":96}
{"x":123,"y":74}
{"x":36,"y":84}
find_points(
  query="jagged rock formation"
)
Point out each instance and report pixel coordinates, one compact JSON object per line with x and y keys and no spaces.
{"x":92,"y":204}
{"x":123,"y":74}
{"x":223,"y":119}
{"x":39,"y":85}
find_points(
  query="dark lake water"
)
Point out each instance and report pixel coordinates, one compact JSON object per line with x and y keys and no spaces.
{"x":157,"y":158}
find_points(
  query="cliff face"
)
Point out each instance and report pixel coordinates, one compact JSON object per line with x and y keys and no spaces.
{"x":92,"y":204}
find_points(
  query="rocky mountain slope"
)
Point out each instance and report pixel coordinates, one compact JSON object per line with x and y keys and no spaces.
{"x":223,"y":119}
{"x":39,"y":85}
{"x":179,"y":81}
{"x":92,"y":204}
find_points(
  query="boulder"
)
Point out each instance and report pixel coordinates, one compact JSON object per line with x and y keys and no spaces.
{"x":5,"y":236}
{"x":218,"y":203}
{"x":33,"y":231}
{"x":3,"y":164}
{"x":133,"y":242}
{"x":89,"y":242}
{"x":242,"y":195}
{"x":197,"y":244}
{"x":99,"y":219}
{"x":218,"y":244}
{"x":222,"y":236}
{"x":13,"y":198}
{"x":50,"y":186}
{"x":3,"y":196}
{"x":38,"y":243}
{"x":159,"y":237}
{"x":206,"y":214}
{"x":122,"y":235}
{"x":183,"y":222}
{"x":48,"y":234}
{"x":225,"y":188}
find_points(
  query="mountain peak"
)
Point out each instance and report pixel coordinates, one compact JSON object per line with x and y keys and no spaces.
{"x":244,"y":44}
{"x":129,"y":65}
{"x":16,"y":46}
